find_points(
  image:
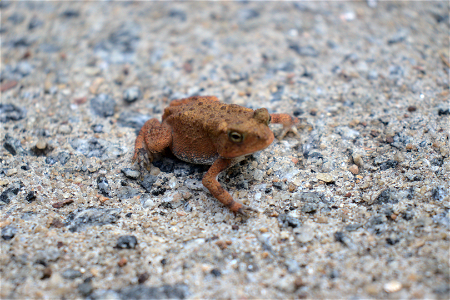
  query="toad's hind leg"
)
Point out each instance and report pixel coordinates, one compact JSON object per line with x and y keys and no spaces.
{"x":153,"y":137}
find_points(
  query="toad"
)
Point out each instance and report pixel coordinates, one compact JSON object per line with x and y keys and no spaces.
{"x":202,"y":130}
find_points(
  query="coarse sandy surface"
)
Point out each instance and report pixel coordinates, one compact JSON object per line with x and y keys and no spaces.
{"x":356,"y":206}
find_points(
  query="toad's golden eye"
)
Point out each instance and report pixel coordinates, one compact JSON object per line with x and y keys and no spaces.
{"x":235,"y":136}
{"x":270,"y":120}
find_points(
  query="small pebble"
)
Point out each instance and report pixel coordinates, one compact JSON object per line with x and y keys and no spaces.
{"x":11,"y":172}
{"x":92,"y":71}
{"x":399,"y":157}
{"x":412,"y":108}
{"x":41,"y":144}
{"x":130,"y":173}
{"x":354,"y":169}
{"x":8,"y":232}
{"x":65,"y":129}
{"x":122,"y":262}
{"x":357,"y":159}
{"x":132,"y":94}
{"x":126,"y":242}
{"x":325,"y":177}
{"x":393,"y":286}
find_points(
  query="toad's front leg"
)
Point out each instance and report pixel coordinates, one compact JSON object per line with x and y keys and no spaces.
{"x":210,"y":182}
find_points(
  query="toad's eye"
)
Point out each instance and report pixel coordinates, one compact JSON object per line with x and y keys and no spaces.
{"x":270,"y":120}
{"x":235,"y":136}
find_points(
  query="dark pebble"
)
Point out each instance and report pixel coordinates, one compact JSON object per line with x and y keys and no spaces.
{"x":127,"y":192}
{"x":122,"y":42}
{"x":389,"y":139}
{"x":30,"y":197}
{"x":279,"y":185}
{"x":143,"y":277}
{"x":391,"y":241}
{"x":8,"y":232}
{"x":89,"y":148}
{"x":13,"y":189}
{"x":148,"y":182}
{"x":437,"y":161}
{"x":85,"y":288}
{"x":388,"y":164}
{"x":46,"y":273}
{"x":10,"y":112}
{"x":235,"y":227}
{"x":408,"y":215}
{"x":440,"y":18}
{"x":331,"y":44}
{"x":23,"y":41}
{"x":103,"y":186}
{"x":438,"y":193}
{"x":313,"y":200}
{"x":341,"y":237}
{"x":177,"y":14}
{"x":310,"y":207}
{"x":375,"y":220}
{"x":399,"y":37}
{"x":396,"y":71}
{"x":246,"y":14}
{"x":166,"y":165}
{"x":63,"y":157}
{"x":132,"y":94}
{"x":314,"y":156}
{"x":126,"y":242}
{"x":45,"y":257}
{"x":304,"y":51}
{"x":177,"y":291}
{"x":82,"y":218}
{"x":35,"y":23}
{"x":216,"y":272}
{"x":41,"y":152}
{"x":103,"y":105}
{"x":13,"y":145}
{"x":158,"y":191}
{"x":288,"y":221}
{"x":352,"y":57}
{"x":50,"y":160}
{"x":412,"y":108}
{"x":384,"y":197}
{"x":298,"y":112}
{"x":16,"y":18}
{"x":353,"y":227}
{"x":443,"y":112}
{"x":70,"y":13}
{"x":71,"y":274}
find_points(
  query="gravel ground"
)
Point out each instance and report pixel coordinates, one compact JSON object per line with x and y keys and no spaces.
{"x":356,"y":207}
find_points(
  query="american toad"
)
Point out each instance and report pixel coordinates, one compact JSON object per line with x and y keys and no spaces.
{"x":202,"y":130}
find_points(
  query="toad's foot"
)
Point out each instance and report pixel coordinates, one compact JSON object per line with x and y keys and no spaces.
{"x":245,"y":209}
{"x":143,"y":159}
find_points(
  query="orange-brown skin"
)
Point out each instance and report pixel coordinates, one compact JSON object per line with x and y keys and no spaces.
{"x":203,"y":130}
